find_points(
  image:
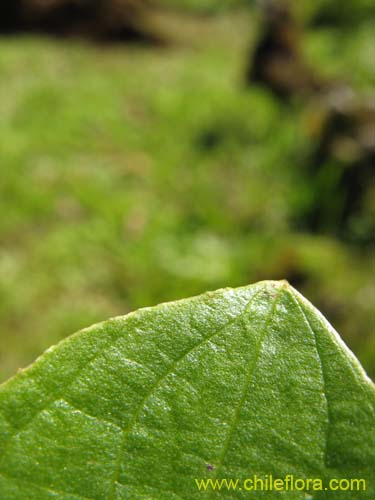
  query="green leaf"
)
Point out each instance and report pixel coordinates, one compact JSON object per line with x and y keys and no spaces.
{"x":225,"y":385}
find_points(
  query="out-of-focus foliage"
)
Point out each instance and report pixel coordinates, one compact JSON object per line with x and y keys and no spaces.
{"x":130,"y":176}
{"x":338,"y":13}
{"x":205,"y":6}
{"x":100,"y":20}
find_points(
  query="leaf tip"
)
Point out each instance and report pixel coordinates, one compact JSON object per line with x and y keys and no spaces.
{"x":279,"y":284}
{"x":285,"y":284}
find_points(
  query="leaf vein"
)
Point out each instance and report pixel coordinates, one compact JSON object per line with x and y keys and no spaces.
{"x":93,"y":417}
{"x":241,"y":402}
{"x":322,"y":369}
{"x":157,"y":383}
{"x":44,"y":488}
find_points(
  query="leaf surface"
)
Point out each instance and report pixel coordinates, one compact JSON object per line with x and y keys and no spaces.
{"x":229,"y":384}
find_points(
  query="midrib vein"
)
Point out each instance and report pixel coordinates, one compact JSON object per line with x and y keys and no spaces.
{"x":241,"y":402}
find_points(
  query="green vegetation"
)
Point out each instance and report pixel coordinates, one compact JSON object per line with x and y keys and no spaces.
{"x":223,"y":385}
{"x":205,"y":6}
{"x":131,"y":176}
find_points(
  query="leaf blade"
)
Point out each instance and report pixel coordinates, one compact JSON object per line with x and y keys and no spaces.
{"x":137,"y":406}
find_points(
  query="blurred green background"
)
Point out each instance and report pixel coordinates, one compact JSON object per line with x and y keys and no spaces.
{"x":132,"y":174}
